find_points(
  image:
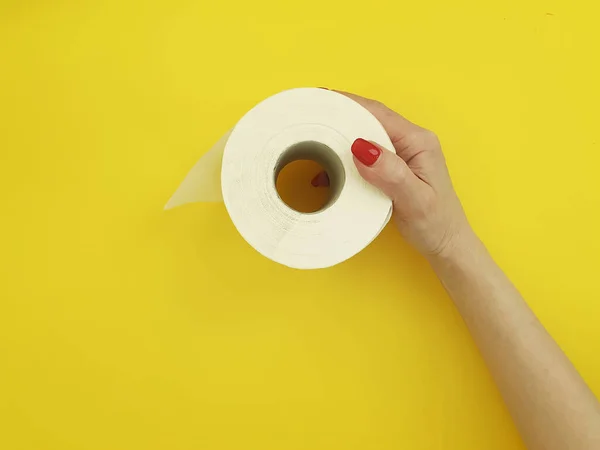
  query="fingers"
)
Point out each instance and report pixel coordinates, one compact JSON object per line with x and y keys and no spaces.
{"x":384,"y":170}
{"x":395,"y":125}
{"x":320,"y":180}
{"x":406,"y":136}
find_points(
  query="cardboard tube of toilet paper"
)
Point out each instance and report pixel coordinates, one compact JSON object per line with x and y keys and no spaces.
{"x":242,"y":168}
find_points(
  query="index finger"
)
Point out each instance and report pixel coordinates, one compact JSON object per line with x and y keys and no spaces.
{"x":396,"y":126}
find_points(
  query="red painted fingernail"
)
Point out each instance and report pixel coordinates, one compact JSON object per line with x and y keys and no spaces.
{"x":365,"y":151}
{"x":320,"y":180}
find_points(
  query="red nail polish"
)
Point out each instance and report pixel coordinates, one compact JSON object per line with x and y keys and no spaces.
{"x":365,"y":151}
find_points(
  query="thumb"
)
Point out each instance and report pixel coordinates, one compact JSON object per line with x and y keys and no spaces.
{"x":384,"y":170}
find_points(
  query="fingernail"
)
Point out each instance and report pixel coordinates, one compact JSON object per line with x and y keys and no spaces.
{"x":365,"y":151}
{"x":320,"y":180}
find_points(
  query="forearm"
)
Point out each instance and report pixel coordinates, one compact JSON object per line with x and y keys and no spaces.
{"x":550,"y":403}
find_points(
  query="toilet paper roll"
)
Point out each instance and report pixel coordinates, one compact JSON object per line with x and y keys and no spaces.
{"x":241,"y":169}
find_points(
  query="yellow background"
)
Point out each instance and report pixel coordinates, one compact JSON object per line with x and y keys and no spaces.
{"x":125,"y":327}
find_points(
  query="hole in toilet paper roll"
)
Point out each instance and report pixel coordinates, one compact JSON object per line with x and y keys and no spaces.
{"x":296,"y":168}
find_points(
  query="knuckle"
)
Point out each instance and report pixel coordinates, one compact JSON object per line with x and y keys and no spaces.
{"x":397,"y":182}
{"x":397,"y":178}
{"x":391,"y":178}
{"x":428,"y":138}
{"x":425,"y":139}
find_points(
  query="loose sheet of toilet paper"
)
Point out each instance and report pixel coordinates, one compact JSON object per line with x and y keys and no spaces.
{"x":240,"y":169}
{"x":203,"y":182}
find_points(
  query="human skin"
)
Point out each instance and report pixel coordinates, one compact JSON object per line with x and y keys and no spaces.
{"x":548,"y":400}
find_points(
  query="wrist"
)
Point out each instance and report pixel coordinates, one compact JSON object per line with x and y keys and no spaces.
{"x":463,"y":244}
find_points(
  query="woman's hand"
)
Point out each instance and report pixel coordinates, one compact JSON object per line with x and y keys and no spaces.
{"x":426,"y":208}
{"x":550,"y":403}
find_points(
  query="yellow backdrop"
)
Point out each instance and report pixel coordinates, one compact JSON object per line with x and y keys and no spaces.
{"x":125,"y":327}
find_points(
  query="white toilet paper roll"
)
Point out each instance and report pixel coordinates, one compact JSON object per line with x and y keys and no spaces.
{"x":304,"y":123}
